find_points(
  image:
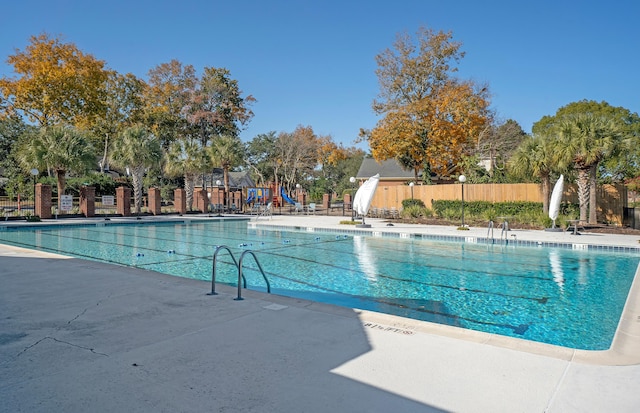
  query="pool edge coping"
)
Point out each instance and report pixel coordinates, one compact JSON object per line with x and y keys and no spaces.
{"x":624,"y":350}
{"x":625,"y":345}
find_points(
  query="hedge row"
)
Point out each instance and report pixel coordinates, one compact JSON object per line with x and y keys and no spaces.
{"x":479,"y":208}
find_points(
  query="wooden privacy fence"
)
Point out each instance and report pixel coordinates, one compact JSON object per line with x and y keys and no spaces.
{"x":612,"y":199}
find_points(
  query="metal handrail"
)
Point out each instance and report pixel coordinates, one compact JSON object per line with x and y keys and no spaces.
{"x":490,"y":229}
{"x":240,"y":276}
{"x":505,"y":229}
{"x":213,"y":268}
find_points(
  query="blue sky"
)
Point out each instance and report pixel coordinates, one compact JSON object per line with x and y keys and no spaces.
{"x":313,"y":62}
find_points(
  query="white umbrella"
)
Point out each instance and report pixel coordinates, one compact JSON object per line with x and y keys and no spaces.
{"x":364,"y":195}
{"x":556,"y":197}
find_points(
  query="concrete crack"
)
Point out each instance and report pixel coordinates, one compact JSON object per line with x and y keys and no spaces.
{"x":78,"y":316}
{"x":87,"y":309}
{"x":62,"y":342}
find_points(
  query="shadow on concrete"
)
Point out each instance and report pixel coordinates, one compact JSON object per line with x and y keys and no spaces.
{"x":80,"y":336}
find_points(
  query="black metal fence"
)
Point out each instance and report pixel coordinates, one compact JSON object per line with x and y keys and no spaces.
{"x":18,"y":207}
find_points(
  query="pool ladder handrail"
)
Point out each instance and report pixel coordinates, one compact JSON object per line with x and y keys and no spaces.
{"x":240,"y":276}
{"x":238,"y":266}
{"x":490,"y":230}
{"x":504,"y":233}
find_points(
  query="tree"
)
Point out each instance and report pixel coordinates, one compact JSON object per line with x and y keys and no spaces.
{"x":169,"y":87}
{"x":216,"y":107}
{"x":137,"y":150}
{"x":296,"y":154}
{"x":12,"y":129}
{"x":619,"y":166}
{"x":537,"y":157}
{"x":429,"y":117}
{"x":122,"y":109}
{"x":57,"y":83}
{"x":60,"y":149}
{"x":587,"y":140}
{"x":260,"y":155}
{"x":497,"y":142}
{"x":187,"y":158}
{"x":228,"y":152}
{"x":340,"y":167}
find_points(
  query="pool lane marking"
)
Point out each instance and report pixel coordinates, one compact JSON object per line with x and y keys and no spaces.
{"x":541,"y":300}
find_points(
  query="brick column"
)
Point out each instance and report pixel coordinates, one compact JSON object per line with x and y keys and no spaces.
{"x":201,"y":200}
{"x":123,"y":201}
{"x":348,"y":202}
{"x":88,"y":201}
{"x":180,"y":200}
{"x":155,"y":201}
{"x":326,"y":200}
{"x":43,"y":201}
{"x":302,"y":197}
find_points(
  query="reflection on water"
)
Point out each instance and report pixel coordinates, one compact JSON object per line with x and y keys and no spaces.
{"x":366,"y":259}
{"x":556,"y":269}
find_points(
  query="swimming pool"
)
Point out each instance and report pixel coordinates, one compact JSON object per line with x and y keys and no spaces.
{"x":552,"y":295}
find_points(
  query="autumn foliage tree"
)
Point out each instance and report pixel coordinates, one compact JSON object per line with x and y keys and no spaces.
{"x":56,"y":83}
{"x":429,"y":117}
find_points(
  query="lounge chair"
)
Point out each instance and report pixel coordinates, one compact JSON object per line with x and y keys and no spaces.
{"x":312,"y":208}
{"x":266,"y":212}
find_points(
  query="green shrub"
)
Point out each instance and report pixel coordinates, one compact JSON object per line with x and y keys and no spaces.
{"x":523,"y":212}
{"x":406,"y":203}
{"x":490,"y":214}
{"x":415,"y":211}
{"x":450,"y":213}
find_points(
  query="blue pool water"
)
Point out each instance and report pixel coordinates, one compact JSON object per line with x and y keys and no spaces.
{"x":551,"y":295}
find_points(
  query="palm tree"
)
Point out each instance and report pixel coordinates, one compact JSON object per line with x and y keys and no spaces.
{"x":536,"y":157}
{"x":187,"y":158}
{"x":228,"y":152}
{"x":586,"y":141}
{"x":137,"y":149}
{"x":59,"y":149}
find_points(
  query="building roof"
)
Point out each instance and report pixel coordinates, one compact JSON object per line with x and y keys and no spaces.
{"x":389,"y":169}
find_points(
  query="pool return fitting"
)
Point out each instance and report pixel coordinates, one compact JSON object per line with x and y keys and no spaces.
{"x":238,"y":264}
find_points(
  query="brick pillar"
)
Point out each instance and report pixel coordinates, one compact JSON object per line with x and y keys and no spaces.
{"x":236,"y":199}
{"x":88,"y":201}
{"x":348,"y":203}
{"x":155,"y":201}
{"x":43,"y":201}
{"x":201,"y":200}
{"x":326,"y":200}
{"x":302,"y":197}
{"x":123,"y":201}
{"x":180,"y":200}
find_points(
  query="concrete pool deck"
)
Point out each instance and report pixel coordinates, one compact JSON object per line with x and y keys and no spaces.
{"x":80,"y":336}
